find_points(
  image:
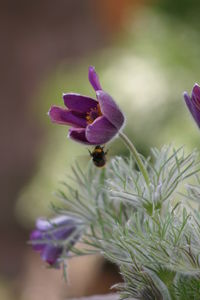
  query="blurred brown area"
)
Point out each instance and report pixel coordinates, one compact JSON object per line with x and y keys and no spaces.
{"x":35,"y":37}
{"x":111,"y":14}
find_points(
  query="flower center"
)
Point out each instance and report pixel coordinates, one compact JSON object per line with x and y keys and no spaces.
{"x":93,"y":114}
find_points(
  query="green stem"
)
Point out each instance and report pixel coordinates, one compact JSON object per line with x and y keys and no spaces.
{"x":136,"y":156}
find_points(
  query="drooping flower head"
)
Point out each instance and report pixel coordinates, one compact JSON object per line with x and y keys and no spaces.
{"x":48,"y":236}
{"x":193,"y":103}
{"x":94,"y":122}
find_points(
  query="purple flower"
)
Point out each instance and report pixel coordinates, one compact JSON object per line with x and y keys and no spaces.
{"x":94,"y":122}
{"x":48,"y":236}
{"x":193,"y":103}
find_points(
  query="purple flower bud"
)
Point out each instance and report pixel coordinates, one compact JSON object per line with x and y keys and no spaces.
{"x":94,"y":79}
{"x":193,"y":103}
{"x":94,"y":122}
{"x":48,"y":236}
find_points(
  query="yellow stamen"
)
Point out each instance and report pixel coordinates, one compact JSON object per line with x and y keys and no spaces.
{"x":90,"y":117}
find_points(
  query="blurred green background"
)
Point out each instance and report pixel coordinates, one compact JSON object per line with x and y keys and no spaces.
{"x":146,"y":54}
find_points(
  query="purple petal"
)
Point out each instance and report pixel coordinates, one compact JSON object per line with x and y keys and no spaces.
{"x":63,"y":226}
{"x":110,"y":109}
{"x":192,"y":108}
{"x":63,"y":220}
{"x":37,"y":236}
{"x":78,"y":135}
{"x":196,"y":93}
{"x":188,"y":102}
{"x":100,"y":131}
{"x":79,"y":103}
{"x":64,"y":233}
{"x":67,"y":117}
{"x":56,"y":228}
{"x":93,"y":78}
{"x":43,"y":224}
{"x":51,"y":253}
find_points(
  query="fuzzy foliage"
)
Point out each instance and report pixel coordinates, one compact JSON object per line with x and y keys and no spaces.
{"x":151,"y":231}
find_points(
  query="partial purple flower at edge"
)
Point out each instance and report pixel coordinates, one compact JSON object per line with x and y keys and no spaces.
{"x":48,"y":235}
{"x":193,"y":103}
{"x":94,"y":122}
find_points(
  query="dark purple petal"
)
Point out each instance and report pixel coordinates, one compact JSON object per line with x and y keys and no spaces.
{"x":64,"y":233}
{"x":51,"y":254}
{"x":49,"y":233}
{"x":79,"y":103}
{"x":100,"y":131}
{"x":196,"y":116}
{"x":93,"y":78}
{"x":64,"y":226}
{"x":78,"y":135}
{"x":192,"y":108}
{"x":110,"y":109}
{"x":67,"y":117}
{"x":36,"y":236}
{"x":64,"y":220}
{"x":188,"y":102}
{"x":196,"y":93}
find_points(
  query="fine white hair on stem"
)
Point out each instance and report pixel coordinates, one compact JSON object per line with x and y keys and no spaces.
{"x":151,"y":232}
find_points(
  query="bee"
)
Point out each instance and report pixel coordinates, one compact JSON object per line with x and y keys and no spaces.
{"x":98,"y":156}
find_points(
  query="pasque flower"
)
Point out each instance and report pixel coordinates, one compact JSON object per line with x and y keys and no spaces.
{"x":48,"y":236}
{"x":94,"y":122}
{"x":193,"y":103}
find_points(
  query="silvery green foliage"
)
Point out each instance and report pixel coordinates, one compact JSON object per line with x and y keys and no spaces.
{"x":152,"y":232}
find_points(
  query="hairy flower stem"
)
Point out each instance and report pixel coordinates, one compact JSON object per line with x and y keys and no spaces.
{"x":136,"y":156}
